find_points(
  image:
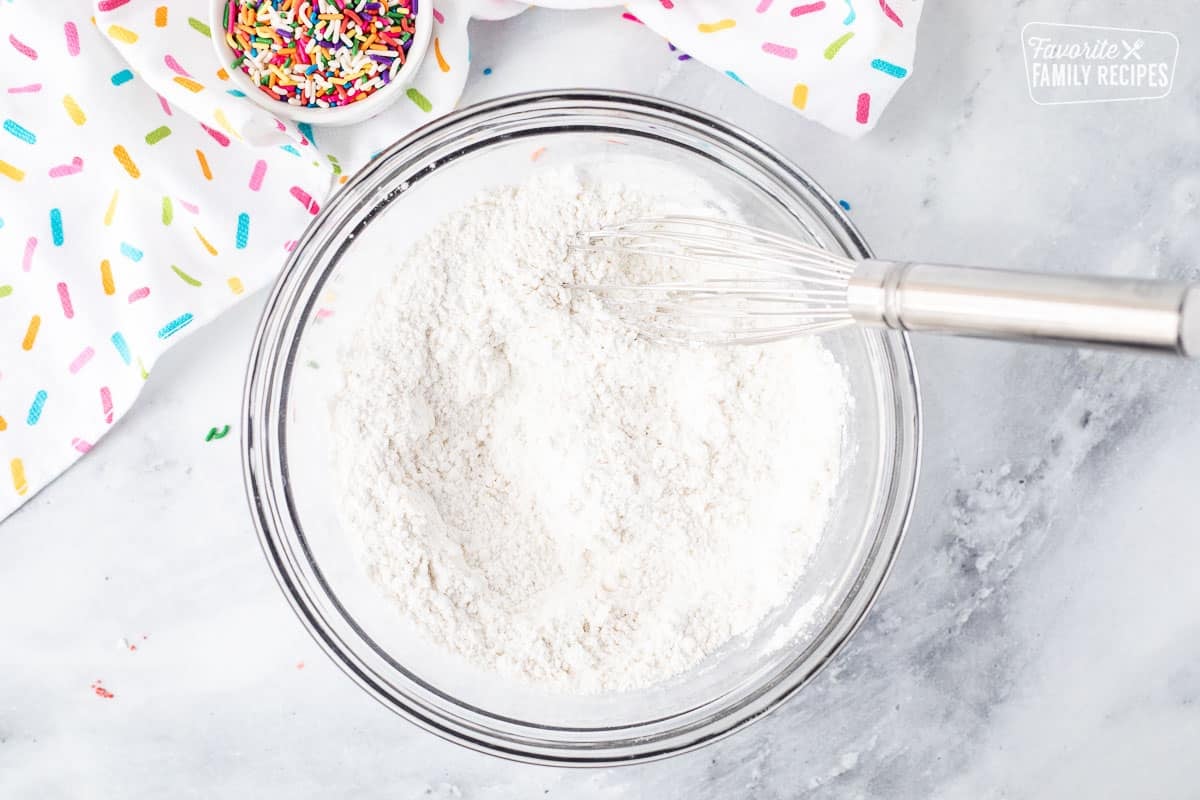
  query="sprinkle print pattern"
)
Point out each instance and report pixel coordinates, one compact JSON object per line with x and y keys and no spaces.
{"x":205,"y":170}
{"x":800,"y":96}
{"x":35,"y":408}
{"x":64,"y":300}
{"x":11,"y":172}
{"x":111,"y":211}
{"x":81,"y":360}
{"x":836,"y":45}
{"x":22,"y":48}
{"x":863,"y":113}
{"x":63,"y":170}
{"x":95,"y":147}
{"x":419,"y":100}
{"x":131,"y":252}
{"x":27,"y":257}
{"x":122,"y":346}
{"x":31,"y":332}
{"x":811,"y":8}
{"x":73,"y":110}
{"x":56,"y":227}
{"x":808,"y":54}
{"x":188,"y":279}
{"x":174,"y":326}
{"x":72,"y":35}
{"x":124,"y":159}
{"x":158,"y":134}
{"x":106,"y":277}
{"x":20,"y":131}
{"x":783,"y":51}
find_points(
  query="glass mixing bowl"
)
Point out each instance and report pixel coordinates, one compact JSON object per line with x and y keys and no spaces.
{"x":342,"y":260}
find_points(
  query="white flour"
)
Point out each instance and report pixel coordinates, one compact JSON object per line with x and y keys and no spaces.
{"x":549,"y":496}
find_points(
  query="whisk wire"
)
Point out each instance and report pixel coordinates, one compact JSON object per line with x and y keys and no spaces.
{"x":751,"y":285}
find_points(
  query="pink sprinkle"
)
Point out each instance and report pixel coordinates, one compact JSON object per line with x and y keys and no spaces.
{"x":864,"y":108}
{"x":166,"y":107}
{"x":27,"y":260}
{"x":289,"y":245}
{"x":220,"y":138}
{"x":808,"y":9}
{"x":64,"y":297}
{"x":22,"y":48}
{"x":81,"y":359}
{"x":81,"y":445}
{"x":174,"y":66}
{"x":256,"y":177}
{"x":106,"y":404}
{"x":72,"y":34}
{"x":189,"y":207}
{"x":763,"y":5}
{"x":890,"y":14}
{"x":109,"y":5}
{"x":667,"y":4}
{"x":779,"y":50}
{"x":138,"y":294}
{"x":33,"y":87}
{"x":280,"y":125}
{"x":438,"y":16}
{"x":324,"y":313}
{"x":63,"y":170}
{"x":305,"y":199}
{"x":631,"y":18}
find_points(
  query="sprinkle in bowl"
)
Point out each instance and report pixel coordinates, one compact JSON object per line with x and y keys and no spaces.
{"x":324,"y":62}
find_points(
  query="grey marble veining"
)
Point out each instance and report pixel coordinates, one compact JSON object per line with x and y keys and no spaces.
{"x":1039,"y":637}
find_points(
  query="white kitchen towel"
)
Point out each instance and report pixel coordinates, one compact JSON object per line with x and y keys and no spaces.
{"x":140,"y":195}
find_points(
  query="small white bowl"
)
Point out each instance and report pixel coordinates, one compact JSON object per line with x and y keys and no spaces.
{"x":337,"y":115}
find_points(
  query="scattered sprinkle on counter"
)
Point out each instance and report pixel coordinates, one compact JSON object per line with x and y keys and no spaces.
{"x":320,"y":53}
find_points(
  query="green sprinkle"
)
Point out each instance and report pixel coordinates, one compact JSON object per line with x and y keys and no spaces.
{"x":836,"y":45}
{"x":5,"y":291}
{"x":168,"y":211}
{"x":421,"y":100}
{"x":158,"y":134}
{"x":202,"y":27}
{"x":188,"y":279}
{"x":225,"y":18}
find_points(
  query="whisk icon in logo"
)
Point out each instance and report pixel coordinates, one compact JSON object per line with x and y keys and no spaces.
{"x":1090,"y":64}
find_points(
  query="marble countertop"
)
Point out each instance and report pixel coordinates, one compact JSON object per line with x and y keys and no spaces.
{"x":1040,"y":635}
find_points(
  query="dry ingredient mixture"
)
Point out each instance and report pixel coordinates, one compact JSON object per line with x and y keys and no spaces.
{"x":552,"y":497}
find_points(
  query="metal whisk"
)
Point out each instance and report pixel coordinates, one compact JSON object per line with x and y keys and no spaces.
{"x":744,"y":285}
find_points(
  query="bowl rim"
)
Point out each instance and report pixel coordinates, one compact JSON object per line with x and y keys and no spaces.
{"x":264,"y":448}
{"x":376,"y":102}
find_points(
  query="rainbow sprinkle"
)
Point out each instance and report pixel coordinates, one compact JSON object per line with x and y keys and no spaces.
{"x":174,"y":325}
{"x":320,"y":53}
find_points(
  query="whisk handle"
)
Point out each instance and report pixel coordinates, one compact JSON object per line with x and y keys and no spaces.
{"x":1161,"y":316}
